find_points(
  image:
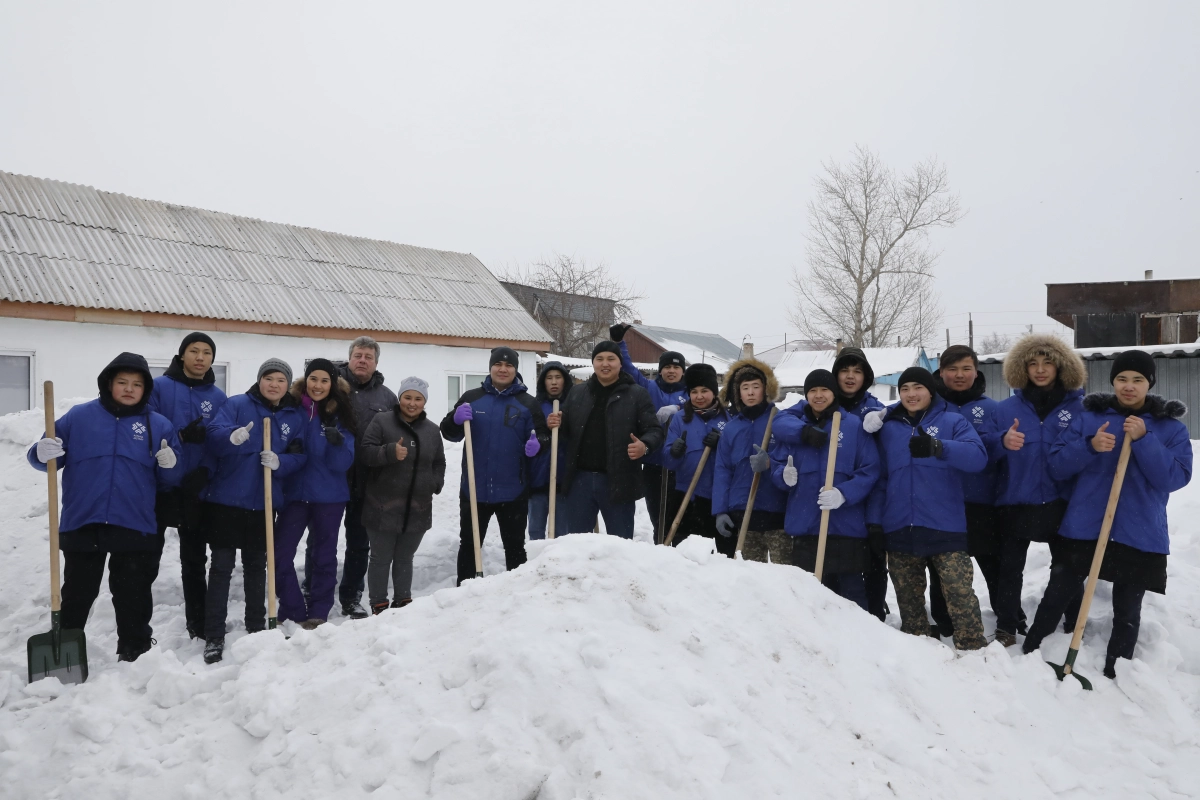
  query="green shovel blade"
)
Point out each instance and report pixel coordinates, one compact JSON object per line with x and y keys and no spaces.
{"x":58,"y":654}
{"x":1061,"y":669}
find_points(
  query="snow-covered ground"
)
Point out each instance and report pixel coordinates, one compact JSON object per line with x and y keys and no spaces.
{"x":602,"y":669}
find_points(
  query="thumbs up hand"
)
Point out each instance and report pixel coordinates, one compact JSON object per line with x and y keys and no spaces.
{"x":1103,"y":441}
{"x":636,"y":449}
{"x":241,"y":435}
{"x":790,"y":476}
{"x":1014,"y":439}
{"x":165,"y":455}
{"x":760,"y":461}
{"x":532,"y":445}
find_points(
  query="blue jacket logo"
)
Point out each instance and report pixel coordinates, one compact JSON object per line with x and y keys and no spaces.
{"x":1064,"y":418}
{"x":977,"y":412}
{"x":206,"y":408}
{"x":721,"y":425}
{"x":139,"y":431}
{"x":932,"y":430}
{"x":286,"y":430}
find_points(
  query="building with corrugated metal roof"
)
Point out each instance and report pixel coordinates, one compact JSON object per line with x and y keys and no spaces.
{"x":86,"y":274}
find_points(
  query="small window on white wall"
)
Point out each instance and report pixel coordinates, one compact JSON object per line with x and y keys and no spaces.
{"x":220,"y":372}
{"x":16,"y":382}
{"x":456,"y":385}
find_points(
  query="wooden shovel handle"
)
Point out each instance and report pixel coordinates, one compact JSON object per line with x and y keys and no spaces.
{"x":553,"y":477}
{"x":687,"y":498}
{"x":830,"y":465}
{"x":474,"y":501}
{"x":269,"y":511}
{"x":52,"y":500}
{"x":754,"y":483}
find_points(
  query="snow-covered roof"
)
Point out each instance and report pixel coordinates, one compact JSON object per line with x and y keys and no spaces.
{"x":794,"y":366}
{"x":1182,"y":350}
{"x":696,"y":346}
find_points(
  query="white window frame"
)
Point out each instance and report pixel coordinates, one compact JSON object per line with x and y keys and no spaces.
{"x":462,"y":384}
{"x":33,"y":382}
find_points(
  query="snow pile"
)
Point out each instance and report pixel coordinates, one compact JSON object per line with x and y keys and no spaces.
{"x":602,"y":668}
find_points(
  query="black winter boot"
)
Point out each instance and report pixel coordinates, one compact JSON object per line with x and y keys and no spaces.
{"x":401,"y":602}
{"x":379,"y":608}
{"x":214,"y":649}
{"x":354,"y":610}
{"x":1110,"y":667}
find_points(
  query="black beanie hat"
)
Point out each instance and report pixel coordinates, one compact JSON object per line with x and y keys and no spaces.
{"x":322,"y":364}
{"x":917,"y":375}
{"x":818,"y":378}
{"x":606,"y":346}
{"x":1136,"y":360}
{"x":698,"y":375}
{"x":671,"y":358}
{"x":505,"y":354}
{"x":192,"y":338}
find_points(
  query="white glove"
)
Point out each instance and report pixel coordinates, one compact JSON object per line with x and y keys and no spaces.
{"x":241,"y":435}
{"x":50,"y":448}
{"x":789,"y":473}
{"x":665,"y":413}
{"x":269,"y":459}
{"x":829,"y":499}
{"x":873,"y":421}
{"x":165,"y":455}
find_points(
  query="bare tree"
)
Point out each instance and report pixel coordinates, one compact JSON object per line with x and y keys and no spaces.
{"x":994,"y":342}
{"x":575,"y":301}
{"x":870,"y":267}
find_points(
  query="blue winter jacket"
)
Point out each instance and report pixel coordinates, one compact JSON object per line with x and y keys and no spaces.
{"x":856,"y":471}
{"x":927,"y":492}
{"x":322,"y":479}
{"x":978,"y":487}
{"x":685,"y":467}
{"x":661,"y":394}
{"x":732,"y":475}
{"x":1159,"y":463}
{"x":540,"y":465}
{"x":177,"y":401}
{"x":238,"y":479}
{"x":500,"y":428}
{"x":1024,"y":475}
{"x":110,"y":473}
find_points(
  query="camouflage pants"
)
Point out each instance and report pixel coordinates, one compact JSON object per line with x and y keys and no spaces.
{"x":761,"y":544}
{"x":955,"y":572}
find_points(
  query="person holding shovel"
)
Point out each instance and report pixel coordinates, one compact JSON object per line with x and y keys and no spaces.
{"x":406,"y":467}
{"x":234,"y":510}
{"x":696,"y":429}
{"x":924,"y":448}
{"x":115,"y":454}
{"x":554,"y":383}
{"x":1160,"y":462}
{"x":799,"y":471}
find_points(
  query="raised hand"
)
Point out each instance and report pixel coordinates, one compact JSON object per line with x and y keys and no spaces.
{"x":1014,"y":439}
{"x":401,"y":451}
{"x":790,"y":475}
{"x":241,"y":435}
{"x":873,"y":421}
{"x":532,"y":445}
{"x":679,"y":446}
{"x":165,"y":455}
{"x":664,"y":414}
{"x":761,"y":460}
{"x":1103,"y":441}
{"x":636,"y":449}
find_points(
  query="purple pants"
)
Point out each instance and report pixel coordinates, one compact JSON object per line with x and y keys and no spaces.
{"x":323,"y":521}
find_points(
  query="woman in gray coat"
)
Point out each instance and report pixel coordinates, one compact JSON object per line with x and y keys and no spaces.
{"x":402,"y":450}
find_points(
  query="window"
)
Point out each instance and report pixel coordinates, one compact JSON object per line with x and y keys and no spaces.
{"x":16,"y":382}
{"x":457,"y":384}
{"x":220,"y":372}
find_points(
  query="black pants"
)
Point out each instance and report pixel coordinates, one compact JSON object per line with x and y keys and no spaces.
{"x":652,"y":487}
{"x":357,"y":557}
{"x":1065,"y":589}
{"x":877,"y":583}
{"x":130,"y":577}
{"x":989,"y":568}
{"x":193,"y":566}
{"x":1010,"y":575}
{"x":698,"y":520}
{"x":254,"y":580}
{"x":511,"y":518}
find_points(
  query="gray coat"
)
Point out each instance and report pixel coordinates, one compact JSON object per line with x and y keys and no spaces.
{"x":369,"y":399}
{"x":399,"y":494}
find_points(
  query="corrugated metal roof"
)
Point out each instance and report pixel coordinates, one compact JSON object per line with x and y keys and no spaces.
{"x":710,"y":343}
{"x":72,"y":245}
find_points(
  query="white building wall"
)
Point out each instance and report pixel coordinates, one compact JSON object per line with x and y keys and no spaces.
{"x":72,"y":354}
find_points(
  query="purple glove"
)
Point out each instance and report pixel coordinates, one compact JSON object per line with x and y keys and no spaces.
{"x":533,"y":446}
{"x":462,"y":414}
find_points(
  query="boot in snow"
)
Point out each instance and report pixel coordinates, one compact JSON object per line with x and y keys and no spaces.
{"x":1005,"y":638}
{"x":379,"y":608}
{"x":311,"y":624}
{"x":1110,"y":667}
{"x":354,"y":610}
{"x":401,"y":603}
{"x":213,"y":650}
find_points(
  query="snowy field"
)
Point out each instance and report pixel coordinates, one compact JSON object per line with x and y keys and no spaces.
{"x":601,"y":669}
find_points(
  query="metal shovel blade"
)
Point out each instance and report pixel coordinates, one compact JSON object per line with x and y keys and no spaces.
{"x":1068,"y":668}
{"x":58,"y":654}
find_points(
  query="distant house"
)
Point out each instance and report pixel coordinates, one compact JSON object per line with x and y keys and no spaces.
{"x":647,"y":342}
{"x":574,"y":321}
{"x":887,"y":363}
{"x":1127,"y":313}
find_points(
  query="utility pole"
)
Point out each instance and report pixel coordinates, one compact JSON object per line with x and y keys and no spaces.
{"x":947,"y":338}
{"x":970,"y":331}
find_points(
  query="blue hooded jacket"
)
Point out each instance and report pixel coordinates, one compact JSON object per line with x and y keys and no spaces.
{"x":500,"y":428}
{"x":1159,"y":463}
{"x":540,"y":468}
{"x":182,"y":400}
{"x":661,"y":394}
{"x":1024,"y":476}
{"x":238,"y":479}
{"x":732,"y":474}
{"x":856,"y":471}
{"x":323,"y":477}
{"x":696,"y":428}
{"x":978,"y":487}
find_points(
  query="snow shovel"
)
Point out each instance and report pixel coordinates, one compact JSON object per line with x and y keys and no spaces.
{"x":60,"y":653}
{"x":823,"y":534}
{"x":754,"y":486}
{"x":269,"y":510}
{"x":474,"y":502}
{"x":687,"y":498}
{"x":1068,"y":666}
{"x":553,"y":483}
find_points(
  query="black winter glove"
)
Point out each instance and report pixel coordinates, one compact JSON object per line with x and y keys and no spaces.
{"x":876,"y":541}
{"x":194,"y":482}
{"x":813,"y":436}
{"x":617,"y":332}
{"x":711,"y":438}
{"x":194,"y":432}
{"x":295,"y":447}
{"x":333,"y":436}
{"x":679,"y":446}
{"x":922,"y":445}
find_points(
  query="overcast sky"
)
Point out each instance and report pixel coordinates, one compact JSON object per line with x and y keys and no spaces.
{"x":677,"y":143}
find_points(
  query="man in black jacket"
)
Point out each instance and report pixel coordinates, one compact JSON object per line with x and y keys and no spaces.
{"x":609,"y":427}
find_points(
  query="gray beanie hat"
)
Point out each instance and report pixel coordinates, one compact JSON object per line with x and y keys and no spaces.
{"x":275,"y":365}
{"x":414,"y":384}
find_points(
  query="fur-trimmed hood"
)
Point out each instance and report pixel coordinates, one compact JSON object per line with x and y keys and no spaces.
{"x":1156,"y":406}
{"x":297,"y":389}
{"x":1071,"y":370}
{"x":729,"y":396}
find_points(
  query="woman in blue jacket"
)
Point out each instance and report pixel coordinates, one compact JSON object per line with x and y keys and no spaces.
{"x":233,"y":510}
{"x":1048,"y":378}
{"x":1160,"y":462}
{"x":315,"y":497}
{"x":799,"y":471}
{"x":553,"y":383}
{"x":187,"y":394}
{"x":925,"y":447}
{"x":115,"y":454}
{"x":699,"y":426}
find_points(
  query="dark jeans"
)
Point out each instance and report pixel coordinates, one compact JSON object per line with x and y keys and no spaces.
{"x":193,"y":568}
{"x":1010,"y":575}
{"x":989,"y":567}
{"x":850,"y":585}
{"x":130,"y":577}
{"x":876,"y":580}
{"x":539,"y":514}
{"x":652,"y":486}
{"x":589,"y":496}
{"x":357,"y":557}
{"x":698,"y":520}
{"x":510,"y":516}
{"x":322,"y":521}
{"x":254,"y":579}
{"x":1066,"y":589}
